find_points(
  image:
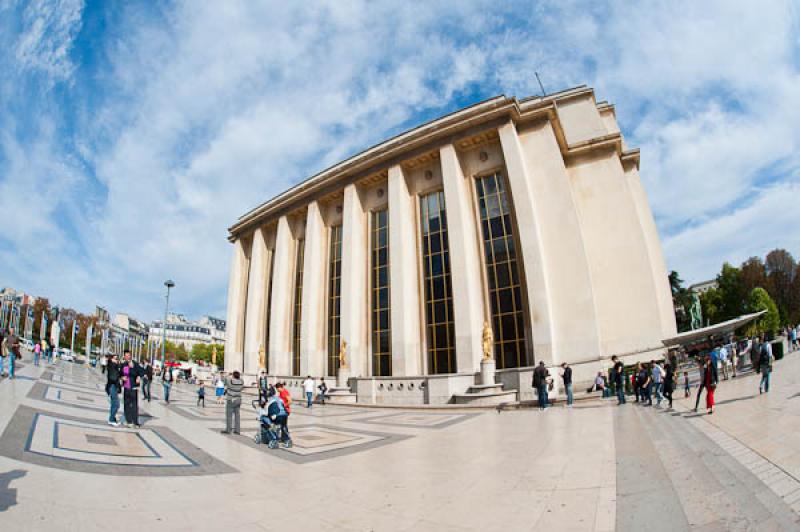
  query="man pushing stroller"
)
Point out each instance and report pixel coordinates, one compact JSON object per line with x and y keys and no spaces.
{"x":273,"y":419}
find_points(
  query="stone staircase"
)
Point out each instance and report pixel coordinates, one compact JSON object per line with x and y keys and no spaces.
{"x":486,"y":395}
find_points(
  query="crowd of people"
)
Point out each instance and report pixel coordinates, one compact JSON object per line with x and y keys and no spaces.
{"x":657,"y":380}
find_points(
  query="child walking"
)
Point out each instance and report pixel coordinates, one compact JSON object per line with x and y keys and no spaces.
{"x":686,"y":388}
{"x":201,"y":394}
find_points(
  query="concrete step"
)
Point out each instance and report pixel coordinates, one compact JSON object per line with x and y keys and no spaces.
{"x":485,"y":389}
{"x":486,"y":399}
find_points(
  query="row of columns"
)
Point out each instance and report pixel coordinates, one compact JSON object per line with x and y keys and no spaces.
{"x":248,"y":284}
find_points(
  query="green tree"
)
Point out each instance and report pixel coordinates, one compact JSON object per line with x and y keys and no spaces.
{"x":204,"y":352}
{"x":780,"y":267}
{"x":681,"y":301}
{"x":768,"y":323}
{"x":711,"y":303}
{"x":733,"y":294}
{"x":176,"y":351}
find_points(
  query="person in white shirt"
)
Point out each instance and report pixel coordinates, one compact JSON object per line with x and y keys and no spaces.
{"x":723,"y":361}
{"x":308,"y":387}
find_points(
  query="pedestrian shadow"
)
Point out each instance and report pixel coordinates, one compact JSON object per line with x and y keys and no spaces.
{"x":8,"y":495}
{"x":734,"y":399}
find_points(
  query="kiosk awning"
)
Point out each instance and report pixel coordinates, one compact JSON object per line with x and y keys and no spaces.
{"x":716,"y":330}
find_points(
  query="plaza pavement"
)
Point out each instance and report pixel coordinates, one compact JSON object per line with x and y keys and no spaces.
{"x":592,"y":467}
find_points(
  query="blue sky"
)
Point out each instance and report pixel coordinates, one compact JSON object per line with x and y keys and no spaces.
{"x":132,"y":134}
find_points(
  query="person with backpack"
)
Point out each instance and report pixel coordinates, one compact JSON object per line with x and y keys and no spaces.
{"x":147,"y":380}
{"x":765,"y":361}
{"x":540,"y":376}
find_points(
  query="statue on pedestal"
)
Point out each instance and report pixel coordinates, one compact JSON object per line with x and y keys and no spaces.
{"x":488,"y":341}
{"x":262,"y":358}
{"x":214,"y":355}
{"x":343,"y":354}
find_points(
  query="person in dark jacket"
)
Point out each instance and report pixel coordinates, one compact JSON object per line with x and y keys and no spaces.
{"x":566,"y":376}
{"x":669,"y":382}
{"x":147,"y":380}
{"x":131,"y":373}
{"x":112,"y":389}
{"x":619,"y":379}
{"x":540,"y":375}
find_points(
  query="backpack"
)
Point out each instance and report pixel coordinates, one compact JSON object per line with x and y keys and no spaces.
{"x":764,"y":358}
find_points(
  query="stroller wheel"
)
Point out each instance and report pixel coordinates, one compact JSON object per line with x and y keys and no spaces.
{"x":288,"y":444}
{"x":257,"y":438}
{"x":273,"y":444}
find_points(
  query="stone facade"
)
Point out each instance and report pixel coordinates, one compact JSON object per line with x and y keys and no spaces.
{"x":526,"y":214}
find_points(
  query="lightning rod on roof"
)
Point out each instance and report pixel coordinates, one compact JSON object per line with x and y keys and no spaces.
{"x":540,"y":83}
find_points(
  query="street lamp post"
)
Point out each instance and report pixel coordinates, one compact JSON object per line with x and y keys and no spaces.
{"x":169,"y":284}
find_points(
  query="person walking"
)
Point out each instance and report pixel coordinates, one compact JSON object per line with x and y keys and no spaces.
{"x":219,"y":389}
{"x":619,"y":379}
{"x":147,"y":381}
{"x":131,"y":378}
{"x":734,"y":359}
{"x":233,"y":403}
{"x":201,"y":394}
{"x":669,"y":382}
{"x":646,"y":385}
{"x":566,"y":377}
{"x":710,"y":381}
{"x":112,"y":389}
{"x":103,"y":364}
{"x":658,"y":380}
{"x":166,"y":381}
{"x":308,"y":388}
{"x":702,"y":369}
{"x":636,"y":380}
{"x":540,"y":376}
{"x":765,"y":367}
{"x":263,"y":387}
{"x":323,"y":390}
{"x":37,"y":352}
{"x":723,"y":361}
{"x":687,"y":389}
{"x":285,"y":396}
{"x":12,"y":344}
{"x":3,"y":353}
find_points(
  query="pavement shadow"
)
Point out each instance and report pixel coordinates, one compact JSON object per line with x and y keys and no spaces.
{"x":8,"y":495}
{"x":734,"y":399}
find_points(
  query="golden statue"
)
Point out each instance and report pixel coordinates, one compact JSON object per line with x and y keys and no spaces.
{"x":343,"y":354}
{"x":488,"y":341}
{"x":214,"y":355}
{"x":262,"y":357}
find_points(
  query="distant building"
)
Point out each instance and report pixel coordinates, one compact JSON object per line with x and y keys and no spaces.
{"x":703,"y":287}
{"x":180,"y":330}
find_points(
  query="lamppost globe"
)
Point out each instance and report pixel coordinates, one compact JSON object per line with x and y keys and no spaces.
{"x":169,"y":283}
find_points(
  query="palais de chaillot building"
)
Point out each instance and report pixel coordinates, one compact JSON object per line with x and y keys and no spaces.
{"x":524,"y":214}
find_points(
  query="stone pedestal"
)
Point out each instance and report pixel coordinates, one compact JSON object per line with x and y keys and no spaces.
{"x":341,"y":394}
{"x":487,"y":371}
{"x":342,"y":377}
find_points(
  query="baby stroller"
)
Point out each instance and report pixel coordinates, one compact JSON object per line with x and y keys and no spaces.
{"x":272,"y":421}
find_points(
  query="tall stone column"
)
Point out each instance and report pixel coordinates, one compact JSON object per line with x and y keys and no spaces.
{"x":280,"y":316}
{"x":354,"y":315}
{"x":237,"y":300}
{"x":465,"y":263}
{"x":404,"y":293}
{"x":312,"y":326}
{"x":257,"y":286}
{"x":560,"y":295}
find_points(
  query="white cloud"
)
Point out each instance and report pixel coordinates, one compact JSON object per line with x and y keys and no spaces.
{"x":207,"y":109}
{"x":49,"y":28}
